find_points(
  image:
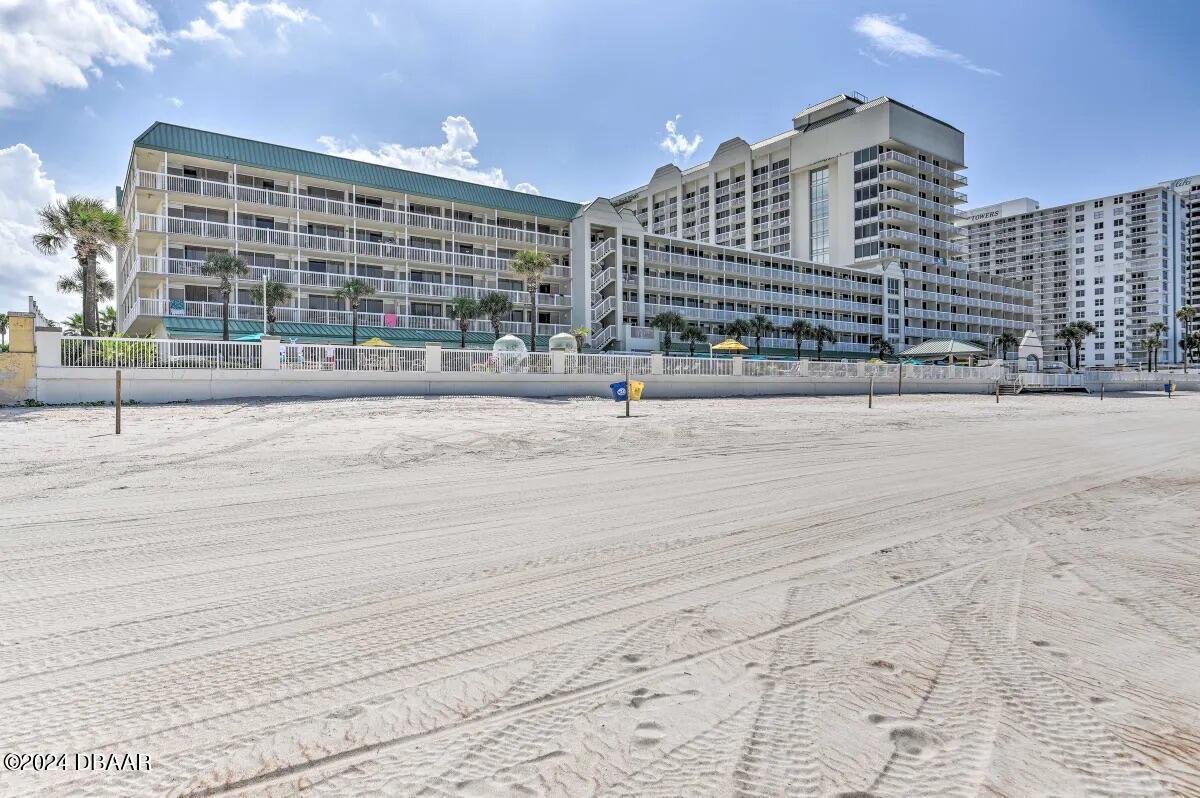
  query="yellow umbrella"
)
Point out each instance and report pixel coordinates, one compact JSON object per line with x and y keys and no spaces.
{"x":375,"y":342}
{"x":730,"y":345}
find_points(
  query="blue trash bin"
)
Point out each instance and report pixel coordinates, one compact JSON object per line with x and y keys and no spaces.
{"x":619,"y":390}
{"x":1166,"y":387}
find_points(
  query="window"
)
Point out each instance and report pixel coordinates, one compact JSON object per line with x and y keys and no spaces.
{"x":818,"y":215}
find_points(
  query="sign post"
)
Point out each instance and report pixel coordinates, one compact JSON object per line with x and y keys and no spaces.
{"x":627,"y":388}
{"x":117,"y":401}
{"x":871,"y":392}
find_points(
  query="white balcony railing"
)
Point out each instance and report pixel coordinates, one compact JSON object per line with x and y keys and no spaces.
{"x":333,"y":281}
{"x":892,"y":176}
{"x":213,"y":189}
{"x":212,"y":310}
{"x":384,"y":250}
{"x":924,"y":166}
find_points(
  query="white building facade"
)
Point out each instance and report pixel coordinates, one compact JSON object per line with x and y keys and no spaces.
{"x":1188,"y":189}
{"x":1115,"y":261}
{"x":858,"y":236}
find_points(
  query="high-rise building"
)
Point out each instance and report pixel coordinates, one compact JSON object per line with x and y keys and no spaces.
{"x":1188,"y":189}
{"x":1115,"y":261}
{"x":869,"y":249}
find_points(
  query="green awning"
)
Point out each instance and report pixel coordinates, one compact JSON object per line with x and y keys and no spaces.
{"x":939,"y":348}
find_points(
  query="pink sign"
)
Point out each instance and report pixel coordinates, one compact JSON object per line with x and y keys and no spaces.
{"x":389,"y":319}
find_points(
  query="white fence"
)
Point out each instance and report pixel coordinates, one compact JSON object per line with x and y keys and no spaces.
{"x":608,"y":364}
{"x":697,"y":365}
{"x":159,"y":353}
{"x":325,"y":357}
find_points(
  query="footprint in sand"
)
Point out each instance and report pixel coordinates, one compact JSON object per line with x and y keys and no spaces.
{"x":648,"y":734}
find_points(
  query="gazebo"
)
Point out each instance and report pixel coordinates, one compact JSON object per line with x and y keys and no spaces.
{"x":946,"y":350}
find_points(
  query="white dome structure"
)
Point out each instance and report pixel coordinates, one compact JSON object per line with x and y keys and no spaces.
{"x":563,"y":342}
{"x":511,"y":354}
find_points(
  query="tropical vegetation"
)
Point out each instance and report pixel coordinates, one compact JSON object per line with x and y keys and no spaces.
{"x":532,"y":266}
{"x":581,"y":335}
{"x":668,"y":321}
{"x":353,"y":291}
{"x":1005,"y":342}
{"x":495,"y":307}
{"x":1186,"y":315}
{"x":882,"y":347}
{"x":760,"y":326}
{"x":1157,"y":330}
{"x":463,"y":310}
{"x":270,"y":295}
{"x":800,"y":329}
{"x":823,"y":335}
{"x":91,"y":230}
{"x":692,"y":335}
{"x":736,"y":329}
{"x":226,"y":268}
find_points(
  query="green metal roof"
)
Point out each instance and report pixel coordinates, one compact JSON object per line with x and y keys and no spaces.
{"x":186,"y":327}
{"x":247,"y":152}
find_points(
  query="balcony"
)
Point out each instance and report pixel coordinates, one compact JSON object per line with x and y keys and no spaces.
{"x":903,"y":197}
{"x":712,"y":290}
{"x":892,"y":176}
{"x":715,"y":315}
{"x":160,"y":181}
{"x":212,"y":310}
{"x":916,"y":163}
{"x":287,"y":239}
{"x":150,"y":264}
{"x":895,"y":234}
{"x":904,"y":217}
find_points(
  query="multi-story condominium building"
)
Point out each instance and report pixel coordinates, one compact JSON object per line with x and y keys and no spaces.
{"x":1188,"y":189}
{"x":856,"y":190}
{"x":1115,"y":261}
{"x":313,"y":221}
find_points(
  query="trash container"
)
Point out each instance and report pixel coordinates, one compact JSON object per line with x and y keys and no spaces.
{"x":619,"y":390}
{"x":635,"y":389}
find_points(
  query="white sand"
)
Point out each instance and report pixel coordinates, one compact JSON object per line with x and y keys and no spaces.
{"x":467,"y":597}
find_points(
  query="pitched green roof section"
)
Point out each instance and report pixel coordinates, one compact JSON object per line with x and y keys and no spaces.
{"x":247,"y":152}
{"x":304,"y":333}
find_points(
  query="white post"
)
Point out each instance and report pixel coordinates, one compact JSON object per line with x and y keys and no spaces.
{"x":264,"y":301}
{"x":558,"y":361}
{"x":737,"y":365}
{"x":270,"y":352}
{"x":433,"y":357}
{"x":48,"y":347}
{"x":656,"y":363}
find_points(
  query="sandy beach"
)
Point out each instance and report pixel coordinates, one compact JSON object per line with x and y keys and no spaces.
{"x":941,"y":596}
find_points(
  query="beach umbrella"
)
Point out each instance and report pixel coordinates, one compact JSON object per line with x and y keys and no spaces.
{"x":730,"y":345}
{"x":375,"y":342}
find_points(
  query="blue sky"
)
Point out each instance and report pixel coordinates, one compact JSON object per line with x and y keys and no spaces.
{"x":1059,"y":100}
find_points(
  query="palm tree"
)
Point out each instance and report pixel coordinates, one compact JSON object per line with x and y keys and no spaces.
{"x":800,"y":329}
{"x":760,"y":325}
{"x":73,"y":324}
{"x":495,"y":306}
{"x":226,"y":268}
{"x":1072,"y":336}
{"x":1185,"y":315}
{"x":464,"y":310}
{"x":668,"y":321}
{"x":1157,"y":330}
{"x":736,"y":329}
{"x":821,"y":336}
{"x":73,"y":284}
{"x":270,"y":295}
{"x":1005,"y":341}
{"x":1190,"y":344}
{"x":1085,"y":329}
{"x":532,"y":266}
{"x":92,"y":230}
{"x":108,"y":322}
{"x":4,"y":329}
{"x":354,"y":290}
{"x":882,"y":347}
{"x":692,"y":335}
{"x":581,"y":335}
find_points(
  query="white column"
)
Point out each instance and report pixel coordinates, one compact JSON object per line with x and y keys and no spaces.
{"x":433,"y":357}
{"x":270,"y":352}
{"x":48,"y":347}
{"x":656,"y":362}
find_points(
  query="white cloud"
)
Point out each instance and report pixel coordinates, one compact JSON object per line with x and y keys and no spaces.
{"x":526,"y":188}
{"x":678,"y":144}
{"x":24,"y":190}
{"x":376,"y":22}
{"x":231,"y":17}
{"x":175,"y":101}
{"x":888,"y":37}
{"x":60,"y":43}
{"x":452,"y":158}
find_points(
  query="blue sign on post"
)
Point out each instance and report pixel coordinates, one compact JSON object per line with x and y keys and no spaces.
{"x":619,"y":390}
